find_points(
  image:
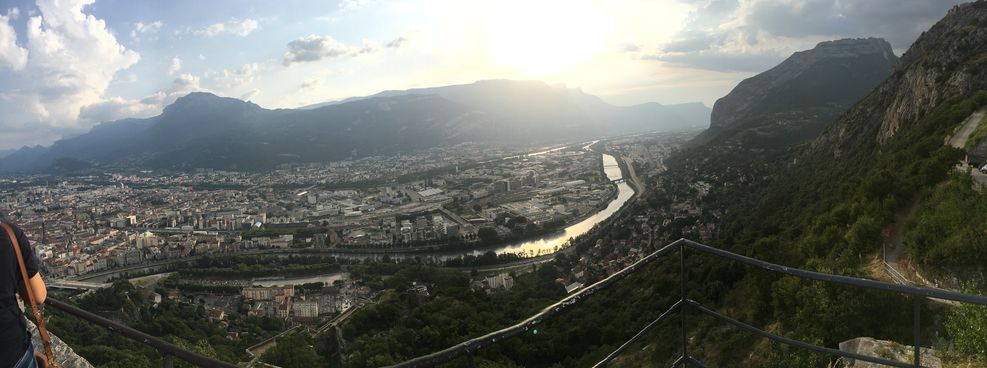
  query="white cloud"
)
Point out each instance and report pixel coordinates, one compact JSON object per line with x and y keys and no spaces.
{"x":117,"y":108}
{"x":175,"y":66}
{"x":141,"y":28}
{"x":12,"y":56}
{"x":186,"y":82}
{"x":73,"y":58}
{"x":236,"y":77}
{"x":236,"y":27}
{"x":353,"y":4}
{"x":315,"y":48}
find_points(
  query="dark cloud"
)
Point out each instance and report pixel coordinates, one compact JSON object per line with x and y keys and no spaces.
{"x":720,"y":61}
{"x":750,"y":35}
{"x":695,"y":42}
{"x":630,"y":47}
{"x":897,"y":21}
{"x":395,"y":43}
{"x":310,"y":83}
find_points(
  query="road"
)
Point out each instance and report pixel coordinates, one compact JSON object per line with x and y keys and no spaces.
{"x":507,"y":267}
{"x":633,"y":175}
{"x":962,"y":134}
{"x":339,"y":319}
{"x":960,"y":138}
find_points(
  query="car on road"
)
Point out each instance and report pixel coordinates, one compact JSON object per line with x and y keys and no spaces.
{"x":983,"y":169}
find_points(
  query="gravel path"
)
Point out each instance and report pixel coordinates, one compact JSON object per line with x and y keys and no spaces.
{"x":959,"y":138}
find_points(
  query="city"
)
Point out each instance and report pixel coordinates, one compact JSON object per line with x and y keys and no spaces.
{"x":545,"y":184}
{"x":161,"y":230}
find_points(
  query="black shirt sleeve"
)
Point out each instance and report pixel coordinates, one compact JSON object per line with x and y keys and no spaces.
{"x":30,"y":259}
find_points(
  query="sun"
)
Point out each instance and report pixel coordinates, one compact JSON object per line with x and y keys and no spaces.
{"x":542,"y":38}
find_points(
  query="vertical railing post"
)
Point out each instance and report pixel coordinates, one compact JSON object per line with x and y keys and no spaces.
{"x":683,"y":306}
{"x":167,"y":361}
{"x":917,"y":329}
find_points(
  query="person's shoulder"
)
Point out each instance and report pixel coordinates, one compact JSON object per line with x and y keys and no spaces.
{"x":17,"y":229}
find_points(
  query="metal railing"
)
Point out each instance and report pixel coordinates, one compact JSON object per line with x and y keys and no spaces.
{"x":167,"y":349}
{"x":683,"y":305}
{"x":896,"y":276}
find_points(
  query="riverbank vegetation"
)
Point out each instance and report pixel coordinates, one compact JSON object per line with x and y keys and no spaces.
{"x":249,"y":267}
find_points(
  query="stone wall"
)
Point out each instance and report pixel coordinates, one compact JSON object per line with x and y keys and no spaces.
{"x":888,"y":350}
{"x":66,"y":357}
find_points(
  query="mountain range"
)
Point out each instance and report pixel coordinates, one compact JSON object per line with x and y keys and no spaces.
{"x":205,"y":130}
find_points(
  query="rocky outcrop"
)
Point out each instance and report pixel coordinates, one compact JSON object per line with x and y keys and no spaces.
{"x":888,"y":350}
{"x":949,"y":60}
{"x":803,"y":94}
{"x":67,"y":358}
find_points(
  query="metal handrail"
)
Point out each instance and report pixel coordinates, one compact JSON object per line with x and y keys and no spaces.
{"x":793,"y":342}
{"x":845,"y":280}
{"x":675,"y":307}
{"x":471,"y":346}
{"x":166,"y":348}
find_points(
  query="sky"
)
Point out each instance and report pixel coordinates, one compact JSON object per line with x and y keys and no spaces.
{"x":67,"y":65}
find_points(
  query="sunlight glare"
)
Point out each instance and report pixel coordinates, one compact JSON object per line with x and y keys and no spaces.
{"x":541,"y":38}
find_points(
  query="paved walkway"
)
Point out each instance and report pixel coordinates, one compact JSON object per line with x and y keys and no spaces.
{"x":961,"y":135}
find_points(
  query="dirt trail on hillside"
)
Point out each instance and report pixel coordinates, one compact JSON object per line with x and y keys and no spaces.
{"x":895,"y":240}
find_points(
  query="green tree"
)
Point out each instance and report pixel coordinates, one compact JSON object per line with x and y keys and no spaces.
{"x":487,"y":235}
{"x":295,"y":351}
{"x":967,"y":326}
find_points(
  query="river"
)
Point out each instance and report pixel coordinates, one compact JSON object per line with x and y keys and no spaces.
{"x":553,"y":242}
{"x":543,"y":245}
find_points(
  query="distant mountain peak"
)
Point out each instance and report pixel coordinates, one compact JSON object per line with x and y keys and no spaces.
{"x":846,"y":48}
{"x":804,"y":93}
{"x":196,"y":100}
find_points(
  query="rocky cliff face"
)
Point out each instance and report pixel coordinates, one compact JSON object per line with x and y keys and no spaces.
{"x":795,"y":100}
{"x":844,"y":61}
{"x":949,"y":60}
